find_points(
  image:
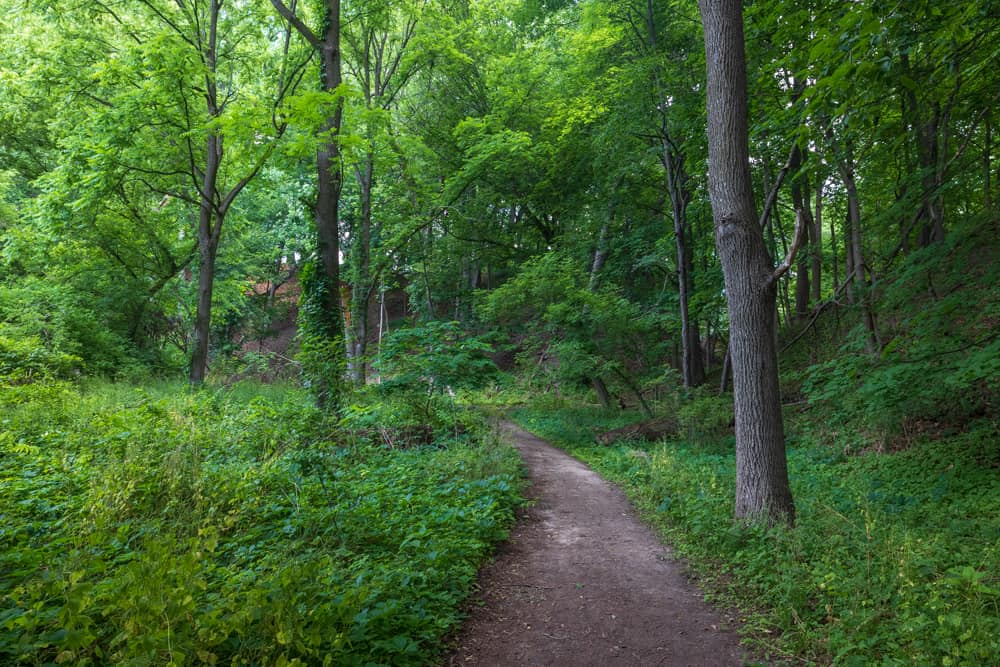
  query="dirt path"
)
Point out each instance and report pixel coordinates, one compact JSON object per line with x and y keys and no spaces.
{"x":582,"y":582}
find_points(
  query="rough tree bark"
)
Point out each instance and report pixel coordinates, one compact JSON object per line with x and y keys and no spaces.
{"x":762,"y":491}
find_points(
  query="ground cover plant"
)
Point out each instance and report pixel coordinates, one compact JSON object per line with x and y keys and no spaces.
{"x":154,"y":525}
{"x":893,"y":560}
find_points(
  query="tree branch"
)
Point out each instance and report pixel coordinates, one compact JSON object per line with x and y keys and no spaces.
{"x":797,"y":240}
{"x":772,"y":196}
{"x":297,"y":23}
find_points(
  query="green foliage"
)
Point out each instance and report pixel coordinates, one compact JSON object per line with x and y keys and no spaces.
{"x":150,"y":526}
{"x":421,"y":370}
{"x":590,"y":333}
{"x":893,"y":560}
{"x":26,"y":360}
{"x":63,"y":327}
{"x":706,"y":418}
{"x":434,"y":357}
{"x":941,"y":359}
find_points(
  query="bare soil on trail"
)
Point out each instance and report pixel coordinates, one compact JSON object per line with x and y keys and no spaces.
{"x":582,"y":581}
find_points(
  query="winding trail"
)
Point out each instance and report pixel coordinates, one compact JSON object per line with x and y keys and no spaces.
{"x":582,"y":582}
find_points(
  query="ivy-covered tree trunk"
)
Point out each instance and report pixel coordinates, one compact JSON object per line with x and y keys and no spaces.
{"x":330,"y":180}
{"x":762,"y":491}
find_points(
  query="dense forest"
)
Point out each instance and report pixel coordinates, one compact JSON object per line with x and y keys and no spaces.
{"x":267,"y":269}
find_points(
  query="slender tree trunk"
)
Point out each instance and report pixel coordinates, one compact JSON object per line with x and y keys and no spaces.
{"x":672,"y":158}
{"x":762,"y":490}
{"x":692,"y":371}
{"x":850,"y":266}
{"x":926,"y":121}
{"x":833,"y":251}
{"x":784,"y":301}
{"x":208,"y":245}
{"x":602,"y":392}
{"x":987,"y":169}
{"x":213,"y":203}
{"x":209,"y":226}
{"x":600,"y":255}
{"x":361,"y":289}
{"x":726,"y":363}
{"x":857,"y":280}
{"x":800,"y":201}
{"x":816,"y":236}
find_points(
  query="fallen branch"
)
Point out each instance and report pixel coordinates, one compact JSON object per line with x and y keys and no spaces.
{"x":652,"y":429}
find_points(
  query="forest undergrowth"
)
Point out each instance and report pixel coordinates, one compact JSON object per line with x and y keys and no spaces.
{"x":154,"y":525}
{"x":894,"y":462}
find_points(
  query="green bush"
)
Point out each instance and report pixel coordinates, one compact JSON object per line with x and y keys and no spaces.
{"x":25,"y":360}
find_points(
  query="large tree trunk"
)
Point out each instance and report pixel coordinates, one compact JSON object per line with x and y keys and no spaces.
{"x":329,"y":185}
{"x":209,"y":228}
{"x":762,"y":490}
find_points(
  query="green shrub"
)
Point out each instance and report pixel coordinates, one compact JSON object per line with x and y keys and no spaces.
{"x":25,"y":360}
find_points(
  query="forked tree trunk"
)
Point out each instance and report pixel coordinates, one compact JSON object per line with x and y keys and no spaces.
{"x":762,"y":491}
